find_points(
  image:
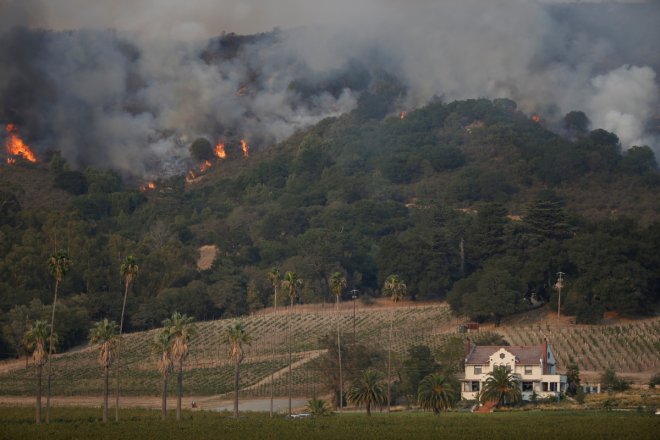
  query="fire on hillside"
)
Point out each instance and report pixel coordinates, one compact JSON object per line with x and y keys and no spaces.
{"x":16,"y":147}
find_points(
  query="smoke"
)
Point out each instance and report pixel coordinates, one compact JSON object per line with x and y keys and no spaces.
{"x":131,"y":84}
{"x":622,"y":99}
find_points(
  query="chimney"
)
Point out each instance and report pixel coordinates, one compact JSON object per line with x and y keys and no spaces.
{"x":468,"y":346}
{"x":545,"y":356}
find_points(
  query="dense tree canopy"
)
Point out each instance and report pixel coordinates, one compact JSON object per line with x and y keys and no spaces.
{"x":469,"y":200}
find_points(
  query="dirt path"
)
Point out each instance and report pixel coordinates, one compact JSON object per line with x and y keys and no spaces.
{"x":308,"y":356}
{"x":213,"y":403}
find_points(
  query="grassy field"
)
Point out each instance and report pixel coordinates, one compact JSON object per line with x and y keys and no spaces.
{"x":82,"y":423}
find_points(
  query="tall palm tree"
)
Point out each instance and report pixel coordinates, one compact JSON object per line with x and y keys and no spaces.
{"x":396,"y":289}
{"x":104,"y":333}
{"x":275,"y":279}
{"x":162,"y":347}
{"x":128,"y":270}
{"x":501,"y":386}
{"x":337,"y":284}
{"x":35,"y":339}
{"x":435,"y":392}
{"x":182,"y":329}
{"x":291,"y":284}
{"x":235,"y":336}
{"x":58,"y":266}
{"x":368,"y":390}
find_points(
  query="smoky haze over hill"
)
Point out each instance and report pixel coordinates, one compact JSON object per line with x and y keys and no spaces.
{"x":131,"y":84}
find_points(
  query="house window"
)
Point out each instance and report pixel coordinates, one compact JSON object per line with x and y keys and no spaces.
{"x":553,"y":386}
{"x":475,"y":386}
{"x":477,"y":369}
{"x":508,"y":368}
{"x":528,"y":369}
{"x":545,"y":386}
{"x":527,"y":386}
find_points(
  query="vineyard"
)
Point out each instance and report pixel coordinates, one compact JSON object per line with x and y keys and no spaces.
{"x":629,"y":348}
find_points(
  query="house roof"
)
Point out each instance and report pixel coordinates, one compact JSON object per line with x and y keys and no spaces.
{"x":525,"y":354}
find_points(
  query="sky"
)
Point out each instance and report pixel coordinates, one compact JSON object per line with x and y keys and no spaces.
{"x":128,"y":88}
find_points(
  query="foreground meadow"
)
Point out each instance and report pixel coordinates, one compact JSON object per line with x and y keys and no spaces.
{"x":83,"y":423}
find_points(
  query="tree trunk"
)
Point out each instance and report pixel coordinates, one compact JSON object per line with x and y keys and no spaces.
{"x":236,"y":373}
{"x":179,"y":390}
{"x":39,"y":373}
{"x":118,"y":366}
{"x":389,"y":360}
{"x":106,"y":389}
{"x":341,"y":384}
{"x":163,"y":405}
{"x":290,"y":348}
{"x":368,"y":409}
{"x":272,"y":373}
{"x":50,"y":353}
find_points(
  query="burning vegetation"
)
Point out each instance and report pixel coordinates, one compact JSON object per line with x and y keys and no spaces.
{"x":149,"y":186}
{"x":245,"y":147}
{"x":16,"y":147}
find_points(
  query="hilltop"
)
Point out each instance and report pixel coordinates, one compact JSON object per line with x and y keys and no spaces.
{"x":470,"y":201}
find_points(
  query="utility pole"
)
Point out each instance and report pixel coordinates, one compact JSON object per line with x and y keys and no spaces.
{"x":559,"y":285}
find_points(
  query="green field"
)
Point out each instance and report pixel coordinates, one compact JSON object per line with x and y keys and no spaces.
{"x":79,"y":423}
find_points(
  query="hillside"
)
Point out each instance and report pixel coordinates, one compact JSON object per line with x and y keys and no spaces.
{"x":631,"y":348}
{"x":470,"y":201}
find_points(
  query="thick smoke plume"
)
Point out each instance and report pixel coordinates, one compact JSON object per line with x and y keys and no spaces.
{"x":131,"y":84}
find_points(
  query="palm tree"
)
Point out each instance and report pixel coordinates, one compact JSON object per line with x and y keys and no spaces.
{"x":162,"y":346}
{"x":35,"y":339}
{"x":235,"y":336}
{"x":501,"y":386}
{"x":291,"y":283}
{"x":337,"y":284}
{"x":396,"y":289}
{"x":368,"y":390}
{"x":182,"y":330}
{"x":104,"y":333}
{"x":128,"y":270}
{"x":275,"y":279}
{"x":435,"y":392}
{"x":58,"y":266}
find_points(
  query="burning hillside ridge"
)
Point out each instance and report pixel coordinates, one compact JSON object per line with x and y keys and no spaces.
{"x":133,"y":98}
{"x":16,"y":147}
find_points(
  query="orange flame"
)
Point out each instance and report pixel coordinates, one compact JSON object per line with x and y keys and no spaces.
{"x":220,"y":151}
{"x":403,"y":114}
{"x":245,"y":148}
{"x":205,"y":166}
{"x":17,"y":147}
{"x":536,"y":118}
{"x":150,"y":186}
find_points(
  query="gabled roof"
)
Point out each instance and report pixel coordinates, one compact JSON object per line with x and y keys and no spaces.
{"x":525,"y":354}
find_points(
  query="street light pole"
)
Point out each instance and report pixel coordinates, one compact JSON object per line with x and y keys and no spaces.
{"x":354,"y":296}
{"x":559,"y":285}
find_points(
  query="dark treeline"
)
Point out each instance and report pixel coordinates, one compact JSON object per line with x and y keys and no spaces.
{"x":469,"y":201}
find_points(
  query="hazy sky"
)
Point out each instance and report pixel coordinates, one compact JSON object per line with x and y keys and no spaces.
{"x":210,"y":17}
{"x":87,"y":95}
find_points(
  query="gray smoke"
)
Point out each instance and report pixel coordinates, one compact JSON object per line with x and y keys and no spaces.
{"x":134,"y":97}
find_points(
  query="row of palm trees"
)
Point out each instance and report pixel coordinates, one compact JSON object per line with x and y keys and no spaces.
{"x":171,"y":345}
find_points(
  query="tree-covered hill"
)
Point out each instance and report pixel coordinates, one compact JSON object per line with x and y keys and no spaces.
{"x":469,"y":201}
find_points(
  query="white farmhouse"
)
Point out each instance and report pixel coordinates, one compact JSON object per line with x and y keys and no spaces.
{"x":534,"y":366}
